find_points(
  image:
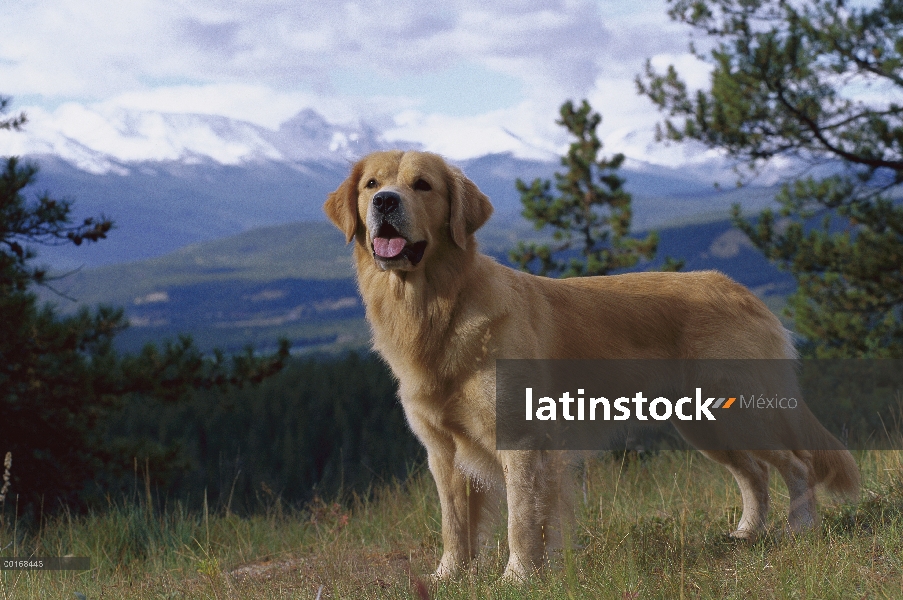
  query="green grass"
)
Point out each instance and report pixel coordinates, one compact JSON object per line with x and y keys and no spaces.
{"x":654,"y":528}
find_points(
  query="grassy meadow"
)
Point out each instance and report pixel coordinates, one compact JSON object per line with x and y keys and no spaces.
{"x":650,"y":528}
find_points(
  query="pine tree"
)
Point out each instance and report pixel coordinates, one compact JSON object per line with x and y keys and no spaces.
{"x":591,"y":214}
{"x":818,"y":83}
{"x":61,"y":379}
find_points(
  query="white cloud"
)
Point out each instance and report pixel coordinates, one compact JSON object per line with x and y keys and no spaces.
{"x":694,"y":72}
{"x":523,"y":130}
{"x":254,"y":103}
{"x":100,"y":49}
{"x":262,"y":61}
{"x":81,"y":48}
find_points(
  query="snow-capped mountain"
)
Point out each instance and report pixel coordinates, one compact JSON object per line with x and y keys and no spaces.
{"x":309,"y":137}
{"x":111,"y":141}
{"x":169,"y":180}
{"x":103,"y":139}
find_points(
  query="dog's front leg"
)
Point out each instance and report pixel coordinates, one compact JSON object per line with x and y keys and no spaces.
{"x":461,"y":505}
{"x":537,"y":509}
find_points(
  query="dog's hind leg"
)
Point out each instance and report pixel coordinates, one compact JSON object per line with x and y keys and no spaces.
{"x":798,"y":474}
{"x":751,"y":476}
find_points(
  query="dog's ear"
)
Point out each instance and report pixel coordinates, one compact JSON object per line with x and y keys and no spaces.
{"x":341,"y":205}
{"x":470,"y":208}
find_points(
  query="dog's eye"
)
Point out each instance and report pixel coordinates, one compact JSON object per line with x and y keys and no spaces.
{"x":422,"y":185}
{"x":371,"y":183}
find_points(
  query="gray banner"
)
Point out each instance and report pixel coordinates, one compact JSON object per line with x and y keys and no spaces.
{"x":710,"y":404}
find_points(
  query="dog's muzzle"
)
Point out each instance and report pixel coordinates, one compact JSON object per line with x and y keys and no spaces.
{"x":390,"y":248}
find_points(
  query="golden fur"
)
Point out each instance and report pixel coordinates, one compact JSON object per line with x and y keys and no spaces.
{"x":440,"y":322}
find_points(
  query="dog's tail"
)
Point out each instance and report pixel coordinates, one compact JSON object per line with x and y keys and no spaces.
{"x":834,"y":466}
{"x":836,"y":470}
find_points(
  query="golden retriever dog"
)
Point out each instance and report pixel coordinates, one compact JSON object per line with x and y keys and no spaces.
{"x":442,"y":313}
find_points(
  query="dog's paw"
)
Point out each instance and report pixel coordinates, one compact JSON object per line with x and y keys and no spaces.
{"x":443,"y":572}
{"x":745,"y":535}
{"x":515,"y":574}
{"x":511,"y":578}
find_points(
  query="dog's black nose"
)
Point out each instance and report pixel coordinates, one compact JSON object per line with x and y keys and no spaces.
{"x":386,"y":202}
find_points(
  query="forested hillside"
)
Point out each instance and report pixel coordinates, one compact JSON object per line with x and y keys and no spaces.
{"x":296,"y":281}
{"x":323,"y":426}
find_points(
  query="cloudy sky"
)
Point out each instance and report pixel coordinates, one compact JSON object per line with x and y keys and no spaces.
{"x":463,"y":79}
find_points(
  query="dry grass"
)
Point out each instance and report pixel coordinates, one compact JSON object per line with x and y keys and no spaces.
{"x":651,"y":528}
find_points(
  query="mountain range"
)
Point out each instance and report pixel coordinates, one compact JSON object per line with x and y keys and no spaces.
{"x":296,"y":281}
{"x":171,"y":180}
{"x":220,"y":231}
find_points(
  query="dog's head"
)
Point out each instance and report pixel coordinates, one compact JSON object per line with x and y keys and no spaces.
{"x":404,"y":206}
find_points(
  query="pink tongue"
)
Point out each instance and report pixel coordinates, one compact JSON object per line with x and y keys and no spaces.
{"x":388,"y":247}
